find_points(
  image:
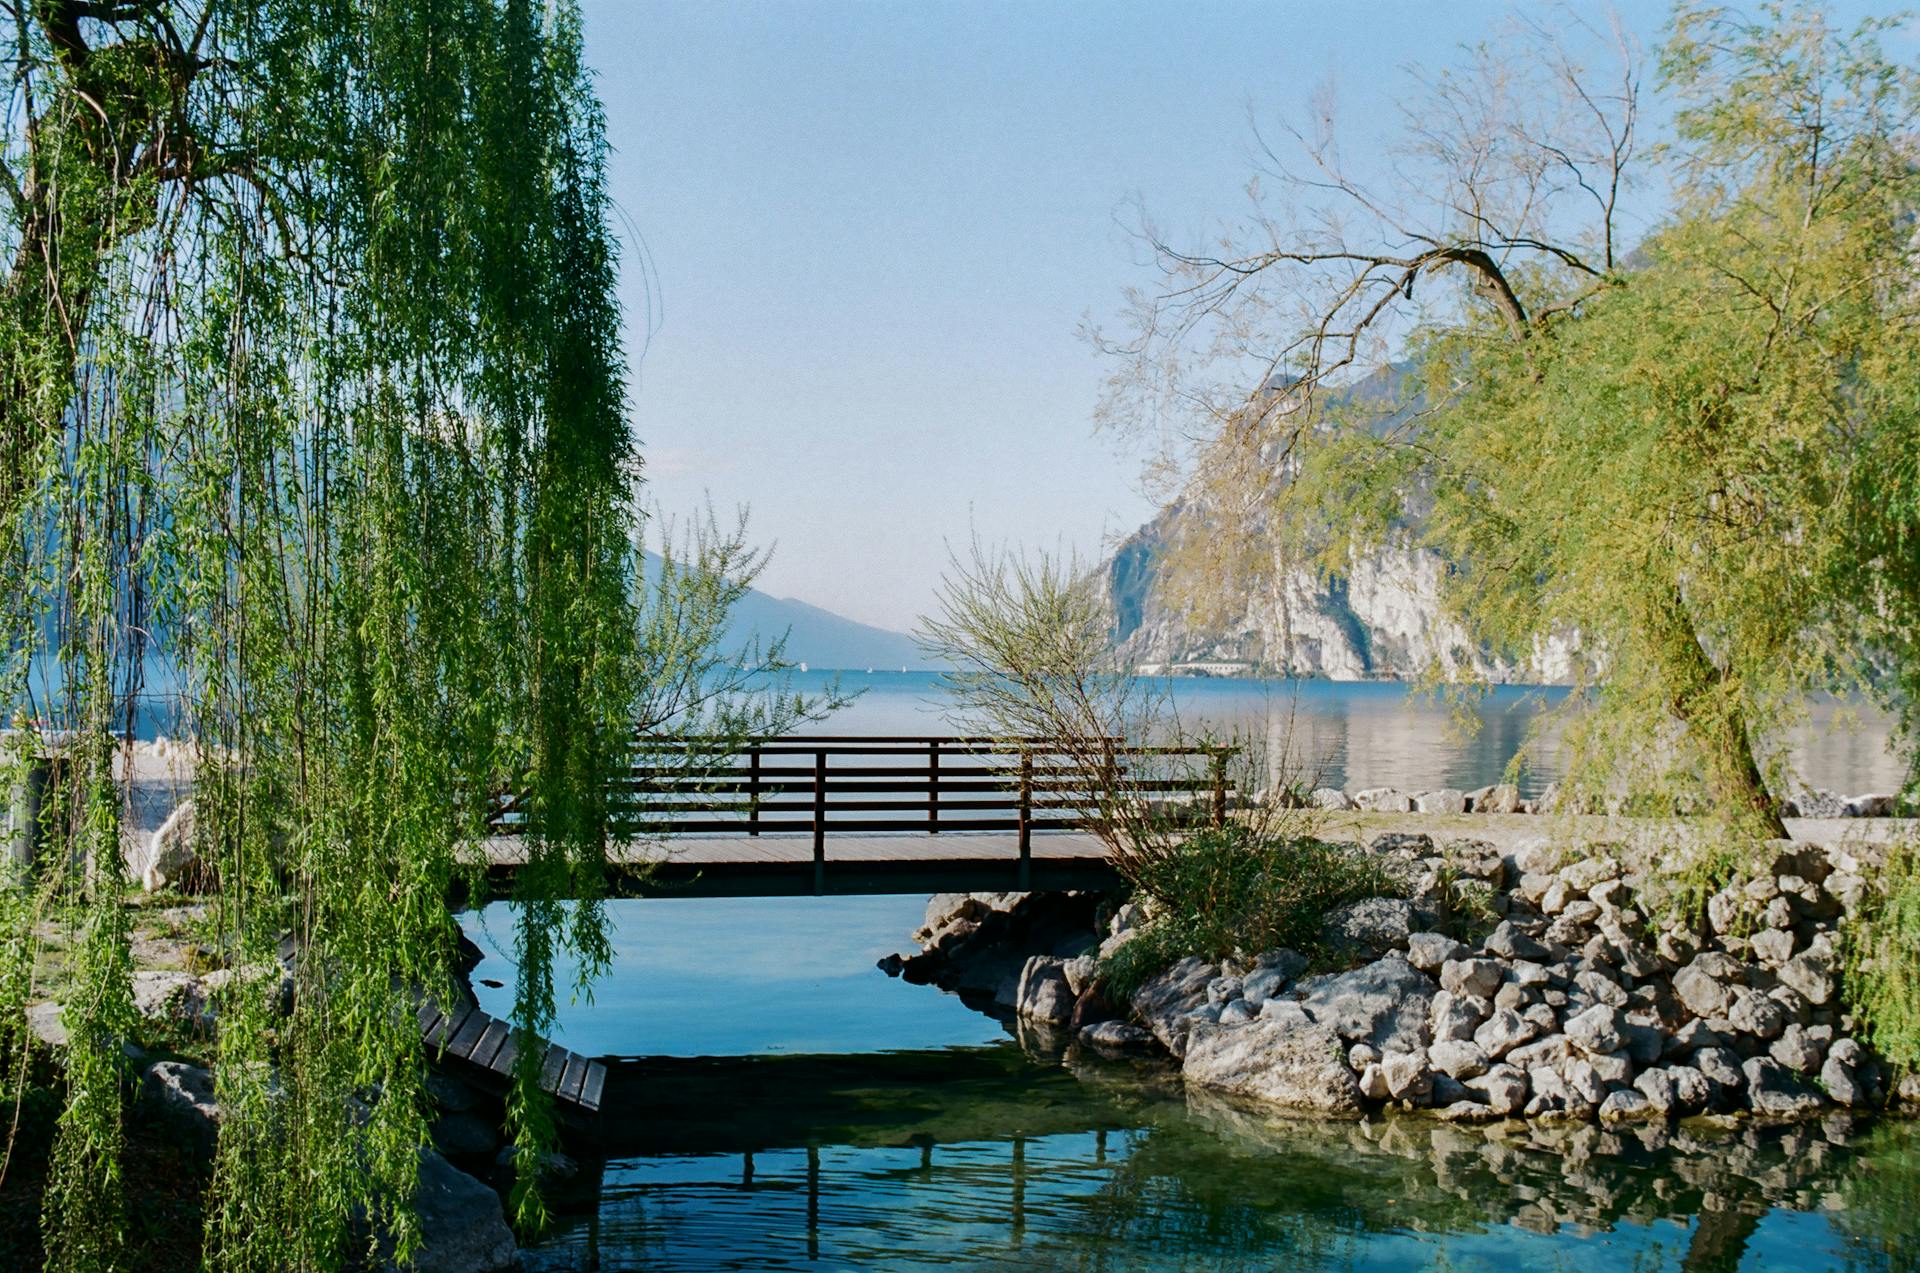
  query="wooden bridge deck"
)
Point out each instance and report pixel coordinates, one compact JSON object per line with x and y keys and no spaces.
{"x":485,"y":1047}
{"x":850,"y":863}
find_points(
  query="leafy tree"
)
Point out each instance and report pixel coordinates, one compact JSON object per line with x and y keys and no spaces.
{"x":1693,"y":455}
{"x":311,"y":397}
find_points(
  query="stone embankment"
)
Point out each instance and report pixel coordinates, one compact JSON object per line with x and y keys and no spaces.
{"x":1576,"y":994}
{"x":1506,"y":798}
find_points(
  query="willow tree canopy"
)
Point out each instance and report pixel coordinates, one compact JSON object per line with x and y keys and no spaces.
{"x":313,"y":414}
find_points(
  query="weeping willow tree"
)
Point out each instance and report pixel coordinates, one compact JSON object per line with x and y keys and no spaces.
{"x":1662,"y":406}
{"x":313,"y":404}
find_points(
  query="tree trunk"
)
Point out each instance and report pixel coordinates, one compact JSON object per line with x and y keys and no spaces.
{"x":1696,"y":692}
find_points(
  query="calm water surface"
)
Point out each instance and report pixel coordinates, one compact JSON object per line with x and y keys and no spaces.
{"x":781,"y":1104}
{"x":778,"y":1103}
{"x":1379,"y":734}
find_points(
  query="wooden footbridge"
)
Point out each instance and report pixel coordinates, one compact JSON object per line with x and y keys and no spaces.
{"x":838,"y":814}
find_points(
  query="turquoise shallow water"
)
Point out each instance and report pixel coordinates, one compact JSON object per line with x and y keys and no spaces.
{"x":781,"y":1104}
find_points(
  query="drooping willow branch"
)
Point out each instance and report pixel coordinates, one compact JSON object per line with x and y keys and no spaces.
{"x":312,"y":420}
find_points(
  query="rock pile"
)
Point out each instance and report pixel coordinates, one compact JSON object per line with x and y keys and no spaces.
{"x":979,"y":944}
{"x":1572,"y":1000}
{"x":1506,"y":798}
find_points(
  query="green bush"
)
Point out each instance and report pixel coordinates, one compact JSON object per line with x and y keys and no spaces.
{"x":1883,"y":960}
{"x":1229,"y":889}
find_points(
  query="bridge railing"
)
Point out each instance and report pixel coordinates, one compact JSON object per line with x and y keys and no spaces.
{"x":817,"y":785}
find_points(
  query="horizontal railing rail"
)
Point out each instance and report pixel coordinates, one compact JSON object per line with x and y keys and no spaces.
{"x":858,"y":784}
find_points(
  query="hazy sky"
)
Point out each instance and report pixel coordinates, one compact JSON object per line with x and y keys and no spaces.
{"x":875,"y":227}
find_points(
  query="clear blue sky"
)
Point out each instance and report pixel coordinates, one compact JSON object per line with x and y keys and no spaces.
{"x":875,"y":227}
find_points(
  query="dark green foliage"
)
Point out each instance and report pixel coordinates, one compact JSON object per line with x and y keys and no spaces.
{"x":311,"y":399}
{"x":1232,"y":891}
{"x":1883,"y":960}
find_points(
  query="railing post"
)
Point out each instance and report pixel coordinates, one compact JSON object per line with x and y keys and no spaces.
{"x":933,"y":786}
{"x":753,"y":790}
{"x":1219,"y":759}
{"x":1026,"y":819}
{"x":819,"y":822}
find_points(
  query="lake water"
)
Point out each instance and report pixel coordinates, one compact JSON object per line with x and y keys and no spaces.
{"x":781,"y":1104}
{"x":776,"y":1102}
{"x":1379,"y":733}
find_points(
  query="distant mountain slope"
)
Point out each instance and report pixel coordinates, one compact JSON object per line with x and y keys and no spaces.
{"x":820,"y":638}
{"x":1379,"y":619}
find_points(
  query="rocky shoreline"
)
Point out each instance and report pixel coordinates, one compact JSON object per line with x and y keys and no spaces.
{"x":1506,"y":798}
{"x":1579,"y":996}
{"x":179,"y":985}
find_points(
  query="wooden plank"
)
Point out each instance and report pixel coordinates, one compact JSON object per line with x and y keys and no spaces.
{"x":595,"y":1086}
{"x":462,"y":1043}
{"x":489,"y":1045}
{"x":428,"y":1013}
{"x":502,"y":1062}
{"x":556,"y":1063}
{"x":447,"y":1026}
{"x":572,"y":1078}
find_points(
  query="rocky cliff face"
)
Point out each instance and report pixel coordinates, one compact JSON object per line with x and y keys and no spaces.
{"x":1380,"y":620}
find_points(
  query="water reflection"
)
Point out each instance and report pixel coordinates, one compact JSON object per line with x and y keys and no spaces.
{"x":981,"y":1156}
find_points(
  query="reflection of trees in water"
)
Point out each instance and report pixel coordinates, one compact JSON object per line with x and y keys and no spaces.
{"x":1007,"y":1160}
{"x":1218,"y":1172}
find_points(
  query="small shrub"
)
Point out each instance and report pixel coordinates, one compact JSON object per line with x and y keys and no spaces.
{"x":1883,"y":960}
{"x":1229,"y":889}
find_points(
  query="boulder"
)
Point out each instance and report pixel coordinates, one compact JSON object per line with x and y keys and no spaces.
{"x":1383,"y":800}
{"x":1408,"y":1076}
{"x":1656,"y":1086}
{"x":1845,"y":1074}
{"x":1455,"y":1016}
{"x":1508,"y":942}
{"x":165,"y":995}
{"x":1757,"y":1015}
{"x":465,"y":1135}
{"x":1601,"y":1028}
{"x":1504,"y":1089}
{"x":1499,"y":798}
{"x":1044,"y":994}
{"x":1427,"y":951}
{"x":1776,"y":1091}
{"x":1627,"y":1105}
{"x":1502,"y":1032}
{"x":1164,"y":1002}
{"x":1445,"y":800}
{"x":181,"y":1096}
{"x":1081,"y":972}
{"x":1298,"y":1067}
{"x":1118,"y":1037}
{"x":1706,"y":985}
{"x":1879,"y":805}
{"x":1460,"y":1059}
{"x":1092,"y":1008}
{"x":173,"y":851}
{"x":1332,"y":799}
{"x":1385,"y":1003}
{"x":1477,"y":977}
{"x":1273,"y":973}
{"x":1370,"y":927}
{"x":462,"y":1228}
{"x":1811,"y":972}
{"x":1796,"y":1050}
{"x":1692,"y":1090}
